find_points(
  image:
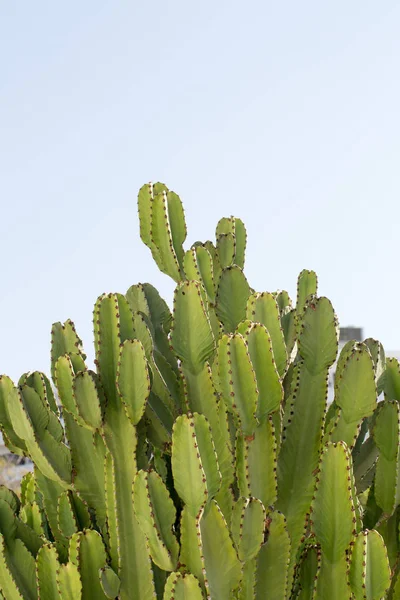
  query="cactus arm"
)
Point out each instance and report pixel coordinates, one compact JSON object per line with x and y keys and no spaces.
{"x":159,"y":421}
{"x":205,"y":269}
{"x":176,"y":217}
{"x":333,"y":580}
{"x":263,"y":308}
{"x":33,"y":519}
{"x":332,"y":508}
{"x":355,"y":394}
{"x":190,"y":554}
{"x":87,"y":399}
{"x":192,"y":337}
{"x":161,"y":228}
{"x":198,"y":265}
{"x":145,"y":201}
{"x":87,"y":552}
{"x":289,"y":328}
{"x":237,"y":381}
{"x":181,"y":586}
{"x":307,"y":284}
{"x":47,"y":565}
{"x":50,"y":491}
{"x":392,"y":379}
{"x":386,"y":433}
{"x":241,"y":242}
{"x":378,"y":356}
{"x":223,"y":571}
{"x":13,"y":584}
{"x":247,"y":527}
{"x":133,"y":379}
{"x":64,"y":373}
{"x":300,"y":447}
{"x":284,"y":302}
{"x":168,"y":231}
{"x":307,"y":573}
{"x":235,"y":230}
{"x":215,"y":260}
{"x":226,"y":249}
{"x":113,"y":324}
{"x":8,"y":585}
{"x":202,"y":398}
{"x":369,"y":568}
{"x":87,"y":452}
{"x":30,"y":418}
{"x":256,"y":463}
{"x":273,"y":560}
{"x":232,"y":294}
{"x":69,"y":582}
{"x":40,"y":383}
{"x":194,"y":463}
{"x":247,"y":586}
{"x":318,"y":337}
{"x":270,"y":390}
{"x":64,"y":340}
{"x":14,"y":443}
{"x":160,"y":314}
{"x":110,"y":582}
{"x":364,"y":462}
{"x":333,"y":496}
{"x":134,"y":567}
{"x":67,"y":516}
{"x":137,"y":300}
{"x":299,"y":453}
{"x":156,"y":515}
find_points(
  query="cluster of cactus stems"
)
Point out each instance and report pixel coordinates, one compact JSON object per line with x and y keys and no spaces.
{"x":200,"y":459}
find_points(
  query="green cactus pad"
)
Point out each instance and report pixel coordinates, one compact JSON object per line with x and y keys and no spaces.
{"x":47,"y":566}
{"x":392,"y":379}
{"x":237,"y":381}
{"x":386,"y":434}
{"x":307,"y":285}
{"x":270,"y":390}
{"x":194,"y":462}
{"x":257,"y":465}
{"x":156,"y":515}
{"x":318,"y":337}
{"x":198,"y":265}
{"x":223,"y":571}
{"x":355,"y":388}
{"x":87,"y":399}
{"x":369,"y":569}
{"x":247,"y":527}
{"x":273,"y":560}
{"x":110,"y":582}
{"x":64,"y":340}
{"x":263,"y":308}
{"x":181,"y":586}
{"x":192,"y":337}
{"x":70,"y":582}
{"x":190,"y":555}
{"x":332,"y":508}
{"x":133,"y":379}
{"x":232,"y":295}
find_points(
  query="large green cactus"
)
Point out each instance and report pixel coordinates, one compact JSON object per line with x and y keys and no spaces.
{"x":199,"y":460}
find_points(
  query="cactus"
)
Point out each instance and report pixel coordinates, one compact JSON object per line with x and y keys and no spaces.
{"x":199,"y":458}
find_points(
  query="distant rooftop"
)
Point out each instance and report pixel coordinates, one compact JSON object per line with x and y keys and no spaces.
{"x":351,"y":333}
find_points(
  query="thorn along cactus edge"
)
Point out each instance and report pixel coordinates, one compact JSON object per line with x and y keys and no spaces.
{"x":200,"y":459}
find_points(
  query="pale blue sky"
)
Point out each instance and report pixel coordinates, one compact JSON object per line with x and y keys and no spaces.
{"x":283,"y":113}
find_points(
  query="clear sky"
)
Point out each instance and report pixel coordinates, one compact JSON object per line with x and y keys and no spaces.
{"x":283,"y":113}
